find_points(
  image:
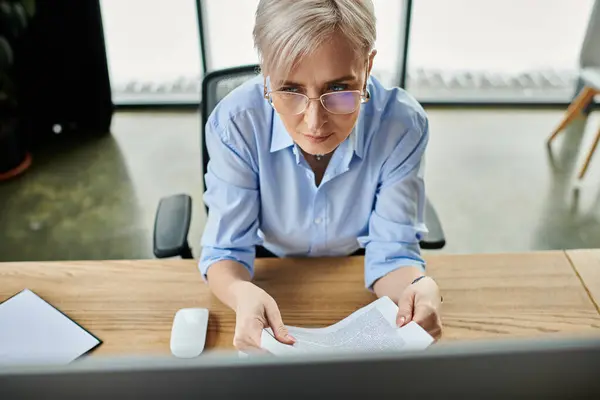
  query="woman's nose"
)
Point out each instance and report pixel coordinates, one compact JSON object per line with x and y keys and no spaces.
{"x":315,"y":115}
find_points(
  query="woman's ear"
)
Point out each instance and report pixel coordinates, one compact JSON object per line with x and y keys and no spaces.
{"x":372,"y":55}
{"x":371,"y":58}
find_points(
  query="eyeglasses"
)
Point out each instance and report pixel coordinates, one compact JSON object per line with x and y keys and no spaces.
{"x":290,"y":103}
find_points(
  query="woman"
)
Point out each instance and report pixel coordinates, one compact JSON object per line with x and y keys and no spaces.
{"x":316,"y":158}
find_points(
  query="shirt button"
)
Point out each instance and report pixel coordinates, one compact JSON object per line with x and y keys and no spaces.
{"x":318,"y":221}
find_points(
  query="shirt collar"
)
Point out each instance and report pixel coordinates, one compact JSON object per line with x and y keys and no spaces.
{"x":361,"y":129}
{"x":358,"y":136}
{"x":280,"y":138}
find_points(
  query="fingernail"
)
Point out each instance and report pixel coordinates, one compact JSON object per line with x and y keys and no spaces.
{"x":401,"y":322}
{"x":290,"y":337}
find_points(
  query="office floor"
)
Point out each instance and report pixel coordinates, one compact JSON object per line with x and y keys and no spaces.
{"x":489,"y":175}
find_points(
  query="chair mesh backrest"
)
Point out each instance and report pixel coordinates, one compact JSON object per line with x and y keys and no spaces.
{"x":218,"y":84}
{"x":590,"y":49}
{"x":215,"y":86}
{"x":219,"y":88}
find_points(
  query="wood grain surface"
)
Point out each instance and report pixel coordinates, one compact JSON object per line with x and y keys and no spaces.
{"x":130,"y":305}
{"x":587,"y":265}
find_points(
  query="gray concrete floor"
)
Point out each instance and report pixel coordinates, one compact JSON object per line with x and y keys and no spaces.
{"x":497,"y":188}
{"x":489,"y":174}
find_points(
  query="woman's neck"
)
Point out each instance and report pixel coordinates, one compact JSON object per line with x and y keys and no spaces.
{"x":318,"y":164}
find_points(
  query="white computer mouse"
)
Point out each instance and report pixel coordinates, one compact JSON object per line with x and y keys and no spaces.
{"x":188,"y":334}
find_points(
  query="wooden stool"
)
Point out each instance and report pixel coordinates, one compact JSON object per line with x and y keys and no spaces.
{"x":585,"y":97}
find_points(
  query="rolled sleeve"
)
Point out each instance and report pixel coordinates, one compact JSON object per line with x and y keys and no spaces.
{"x":211,"y":255}
{"x":232,"y":197}
{"x":396,"y":224}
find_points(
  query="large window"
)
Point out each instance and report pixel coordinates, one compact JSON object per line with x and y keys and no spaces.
{"x":153,"y":46}
{"x":495,"y":50}
{"x":153,"y":50}
{"x":228,"y":35}
{"x":228,"y":32}
{"x":458,"y":50}
{"x":391,"y":16}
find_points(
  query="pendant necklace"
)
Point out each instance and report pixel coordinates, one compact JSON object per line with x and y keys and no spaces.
{"x":318,"y":157}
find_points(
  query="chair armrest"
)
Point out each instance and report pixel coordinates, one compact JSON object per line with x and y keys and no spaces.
{"x":171,"y":226}
{"x":435,"y":239}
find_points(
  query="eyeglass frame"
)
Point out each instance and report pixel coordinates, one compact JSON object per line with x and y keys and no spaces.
{"x":365,"y":96}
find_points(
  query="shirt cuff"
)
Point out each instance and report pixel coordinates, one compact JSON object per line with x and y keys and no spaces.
{"x":211,"y":255}
{"x":375,"y":272}
{"x":383,"y":258}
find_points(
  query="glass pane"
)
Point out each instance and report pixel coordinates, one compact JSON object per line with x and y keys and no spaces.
{"x":153,"y":50}
{"x":229,"y":42}
{"x":492,"y":50}
{"x":390,"y":39}
{"x":228,"y":28}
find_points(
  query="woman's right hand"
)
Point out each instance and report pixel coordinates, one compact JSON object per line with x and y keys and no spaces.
{"x":256,"y":310}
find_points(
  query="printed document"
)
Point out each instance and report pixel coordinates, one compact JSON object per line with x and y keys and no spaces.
{"x":371,"y":328}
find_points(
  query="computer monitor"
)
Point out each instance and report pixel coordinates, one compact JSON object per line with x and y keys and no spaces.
{"x":557,"y":368}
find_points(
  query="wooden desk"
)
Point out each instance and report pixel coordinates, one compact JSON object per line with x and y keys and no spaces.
{"x":587,"y":265}
{"x":130,"y":304}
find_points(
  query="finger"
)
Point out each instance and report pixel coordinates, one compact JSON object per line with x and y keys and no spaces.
{"x":424,"y":315}
{"x":428,"y":319}
{"x":249,"y":347}
{"x":436,"y":333}
{"x":254,"y":331}
{"x":405,"y":308}
{"x":245,"y":345}
{"x":276,"y":323}
{"x":248,"y":334}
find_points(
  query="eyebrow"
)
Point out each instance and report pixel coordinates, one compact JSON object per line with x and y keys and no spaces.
{"x":337,"y":80}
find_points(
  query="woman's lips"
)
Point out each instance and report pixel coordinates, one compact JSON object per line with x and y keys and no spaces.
{"x":317,"y":139}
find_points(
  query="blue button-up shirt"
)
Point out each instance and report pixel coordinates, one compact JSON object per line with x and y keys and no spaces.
{"x":260,"y":190}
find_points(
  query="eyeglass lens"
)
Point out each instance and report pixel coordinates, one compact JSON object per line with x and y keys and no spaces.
{"x":334,"y":102}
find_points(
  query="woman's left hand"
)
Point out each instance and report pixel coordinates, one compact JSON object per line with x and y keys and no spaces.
{"x":420,"y":302}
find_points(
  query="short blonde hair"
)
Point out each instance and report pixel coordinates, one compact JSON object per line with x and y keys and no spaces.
{"x":287,"y":30}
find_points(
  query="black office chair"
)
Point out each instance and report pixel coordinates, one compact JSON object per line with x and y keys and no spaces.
{"x":174,"y":212}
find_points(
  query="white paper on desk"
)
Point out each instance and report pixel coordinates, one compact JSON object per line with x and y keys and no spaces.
{"x":34,"y":332}
{"x":371,"y":328}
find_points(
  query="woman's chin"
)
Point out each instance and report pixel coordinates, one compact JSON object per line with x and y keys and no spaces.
{"x":317,"y":148}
